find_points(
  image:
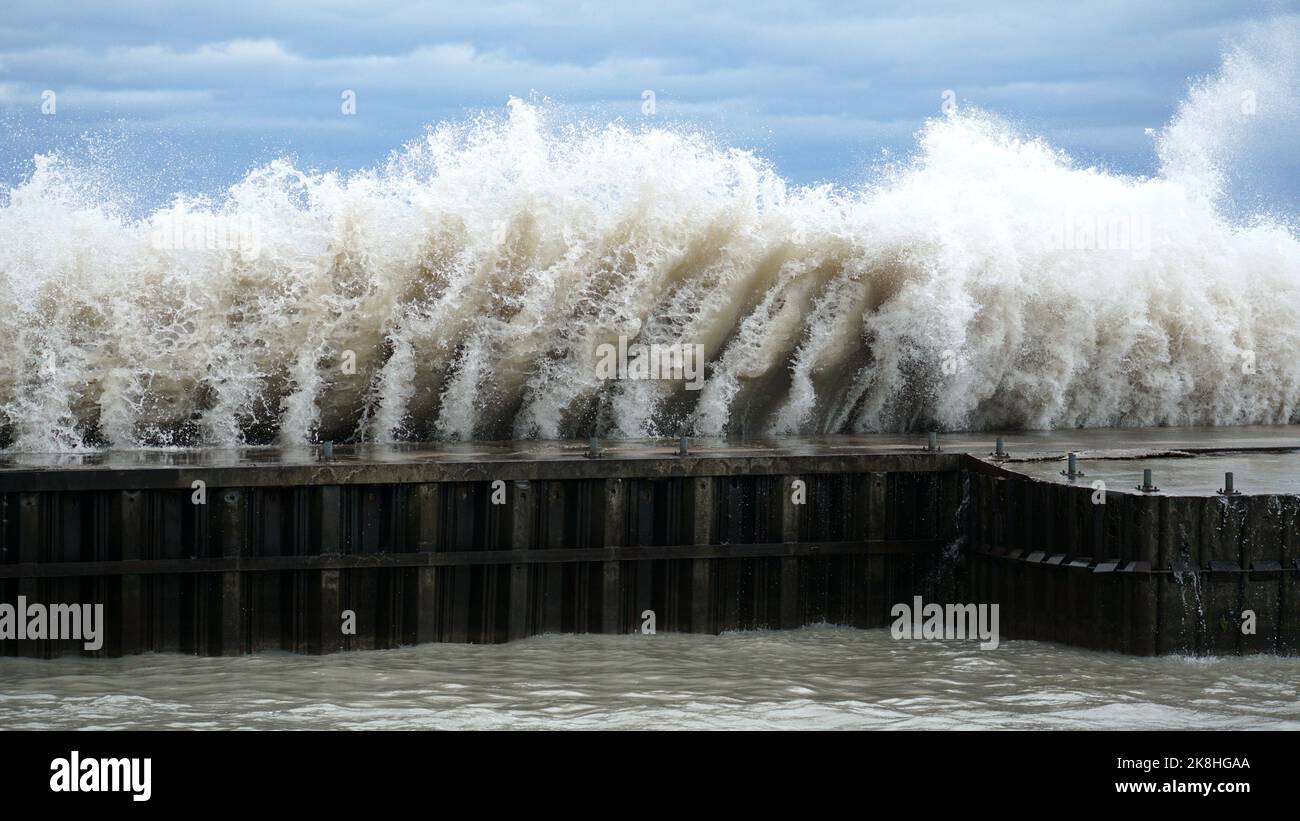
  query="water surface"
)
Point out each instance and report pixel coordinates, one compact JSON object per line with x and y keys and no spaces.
{"x":816,"y":678}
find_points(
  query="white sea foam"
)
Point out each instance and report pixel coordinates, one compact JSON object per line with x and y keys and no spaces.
{"x":988,"y":282}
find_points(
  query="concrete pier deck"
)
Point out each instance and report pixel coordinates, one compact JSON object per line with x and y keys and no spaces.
{"x":1031,"y":452}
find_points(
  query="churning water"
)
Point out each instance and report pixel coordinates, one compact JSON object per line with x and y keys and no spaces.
{"x":816,"y":678}
{"x":461,"y":289}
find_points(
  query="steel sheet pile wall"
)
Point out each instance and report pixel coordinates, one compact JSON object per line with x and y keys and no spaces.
{"x":276,"y":557}
{"x":275,"y":566}
{"x":1140,"y":573}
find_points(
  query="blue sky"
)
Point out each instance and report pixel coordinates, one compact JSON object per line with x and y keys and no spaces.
{"x":189,"y":97}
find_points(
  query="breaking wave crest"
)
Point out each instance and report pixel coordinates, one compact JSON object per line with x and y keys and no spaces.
{"x":462,"y":290}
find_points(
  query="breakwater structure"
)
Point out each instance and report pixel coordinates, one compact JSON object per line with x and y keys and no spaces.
{"x":321,"y":549}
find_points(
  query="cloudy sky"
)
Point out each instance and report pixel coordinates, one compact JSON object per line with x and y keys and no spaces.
{"x":189,"y":98}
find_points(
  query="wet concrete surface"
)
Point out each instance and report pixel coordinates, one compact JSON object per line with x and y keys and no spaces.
{"x":1265,"y":459}
{"x":1259,"y":472}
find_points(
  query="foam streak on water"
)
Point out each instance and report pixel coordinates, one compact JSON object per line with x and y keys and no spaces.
{"x":817,"y":678}
{"x":988,"y":282}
